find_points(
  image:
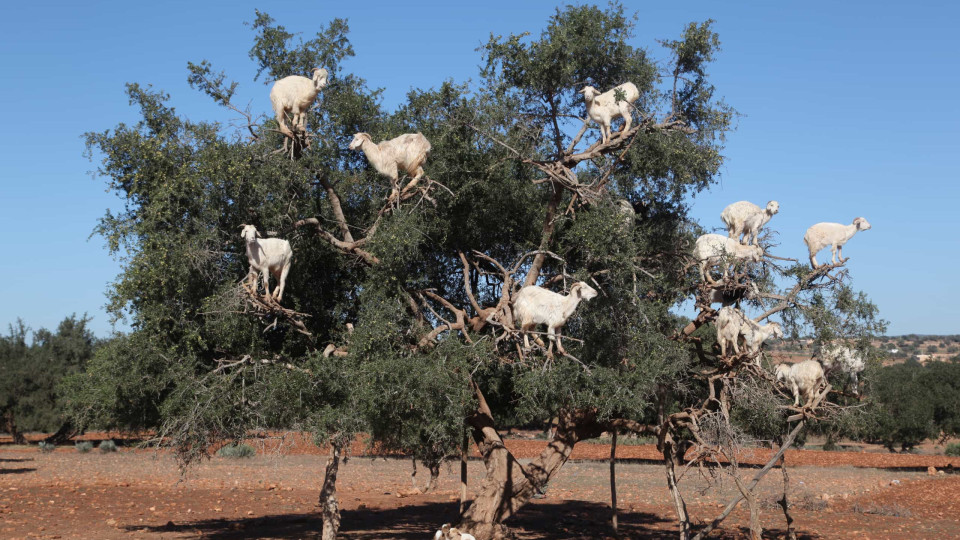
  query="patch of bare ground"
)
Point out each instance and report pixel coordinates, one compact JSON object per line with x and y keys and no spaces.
{"x":140,"y":494}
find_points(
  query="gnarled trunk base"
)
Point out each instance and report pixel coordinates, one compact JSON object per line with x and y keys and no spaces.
{"x":508,"y":485}
{"x":329,"y":506}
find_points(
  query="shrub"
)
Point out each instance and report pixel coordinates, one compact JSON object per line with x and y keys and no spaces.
{"x":83,"y":446}
{"x":108,"y":446}
{"x":46,"y":447}
{"x":236,"y":451}
{"x":953,"y":449}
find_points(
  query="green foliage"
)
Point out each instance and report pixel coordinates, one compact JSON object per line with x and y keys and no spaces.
{"x":33,"y":371}
{"x":107,"y":446}
{"x":236,"y":451}
{"x":916,"y":402}
{"x":200,"y":368}
{"x":83,"y":446}
{"x":46,"y":447}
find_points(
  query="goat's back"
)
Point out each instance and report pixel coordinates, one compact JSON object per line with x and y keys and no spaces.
{"x":293,"y":92}
{"x":536,"y":305}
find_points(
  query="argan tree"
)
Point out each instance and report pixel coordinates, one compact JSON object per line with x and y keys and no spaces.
{"x":397,"y":319}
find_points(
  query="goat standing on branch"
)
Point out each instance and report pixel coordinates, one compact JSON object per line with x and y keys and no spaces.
{"x":848,"y":360}
{"x":834,"y":235}
{"x":744,"y":219}
{"x":804,"y":379}
{"x":295,"y":95}
{"x":267,"y":255}
{"x":603,"y":108}
{"x":714,"y":249}
{"x":536,"y":305}
{"x":407,"y":152}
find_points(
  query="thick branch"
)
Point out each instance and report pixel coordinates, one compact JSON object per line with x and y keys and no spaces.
{"x":337,"y":209}
{"x":349,"y":248}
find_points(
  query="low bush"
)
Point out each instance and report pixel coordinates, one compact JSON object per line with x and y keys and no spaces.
{"x":108,"y":446}
{"x":83,"y":446}
{"x":236,"y":451}
{"x":953,"y":449}
{"x":46,"y":447}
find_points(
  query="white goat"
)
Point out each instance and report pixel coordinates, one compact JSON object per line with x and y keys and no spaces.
{"x":732,"y":324}
{"x":846,"y":359}
{"x":603,"y":108}
{"x":804,"y":378}
{"x":452,"y":533}
{"x":295,"y":95}
{"x":729,"y":322}
{"x":712,"y":249}
{"x":535,"y":305}
{"x":745,"y":219}
{"x":271,"y":255}
{"x":408,"y":152}
{"x":754,"y":334}
{"x":834,"y":235}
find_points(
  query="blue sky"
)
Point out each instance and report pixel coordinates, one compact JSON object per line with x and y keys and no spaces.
{"x":850,"y":109}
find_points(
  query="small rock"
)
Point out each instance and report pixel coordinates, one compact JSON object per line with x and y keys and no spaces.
{"x":941,"y":472}
{"x":894,"y":482}
{"x":249,"y":512}
{"x":825,"y":497}
{"x":112,"y":522}
{"x":931,"y":471}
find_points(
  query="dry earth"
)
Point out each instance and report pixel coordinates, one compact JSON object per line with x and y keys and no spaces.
{"x":140,"y":494}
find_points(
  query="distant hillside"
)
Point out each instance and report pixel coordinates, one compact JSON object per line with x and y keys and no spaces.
{"x":898,"y":349}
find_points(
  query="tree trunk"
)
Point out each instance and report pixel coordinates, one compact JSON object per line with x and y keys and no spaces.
{"x":434,"y":475}
{"x":756,"y":530}
{"x":63,"y":435}
{"x":508,"y":485}
{"x":329,"y":507}
{"x":784,"y":503}
{"x":10,"y":426}
{"x":413,"y":475}
{"x":613,"y":482}
{"x":670,"y":464}
{"x":464,"y":449}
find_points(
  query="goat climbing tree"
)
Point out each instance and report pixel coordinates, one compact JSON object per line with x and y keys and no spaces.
{"x":414,"y":295}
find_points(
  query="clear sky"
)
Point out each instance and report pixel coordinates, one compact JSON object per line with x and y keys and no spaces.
{"x":850,"y":109}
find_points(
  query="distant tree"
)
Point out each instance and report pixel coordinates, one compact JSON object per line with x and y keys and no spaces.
{"x":906,"y":414}
{"x":915,"y":402}
{"x":29,"y":389}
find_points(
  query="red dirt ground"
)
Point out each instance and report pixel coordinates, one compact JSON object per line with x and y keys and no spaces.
{"x":140,"y":494}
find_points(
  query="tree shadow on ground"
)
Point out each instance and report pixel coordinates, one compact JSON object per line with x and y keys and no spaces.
{"x":15,"y":460}
{"x":546,"y":521}
{"x":20,"y":470}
